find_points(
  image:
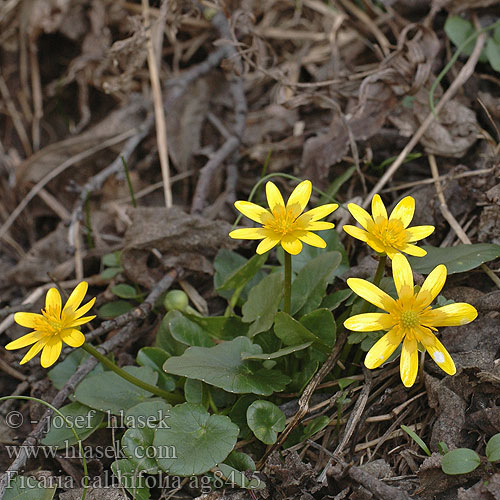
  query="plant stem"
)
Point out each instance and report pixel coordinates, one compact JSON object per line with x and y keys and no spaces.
{"x":287,"y":286}
{"x":167,"y":396}
{"x":379,"y":273}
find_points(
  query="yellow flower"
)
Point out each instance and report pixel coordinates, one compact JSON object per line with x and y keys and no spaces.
{"x":410,"y":319}
{"x":388,"y":235}
{"x":285,"y":224}
{"x":53,"y":326}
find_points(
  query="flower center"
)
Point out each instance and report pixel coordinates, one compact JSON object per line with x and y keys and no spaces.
{"x":283,"y":221}
{"x":409,"y":319}
{"x":390,"y":232}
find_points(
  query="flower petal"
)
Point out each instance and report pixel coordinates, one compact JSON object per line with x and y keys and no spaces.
{"x":291,"y":244}
{"x":299,"y":198}
{"x":73,"y":337}
{"x":33,"y":351}
{"x":377,"y":245}
{"x":252,"y":211}
{"x":360,"y":214}
{"x":456,"y":314}
{"x":419,"y":232}
{"x":433,"y":284}
{"x":318,"y":226}
{"x":51,"y":351}
{"x":85,"y":308}
{"x":403,"y":276}
{"x":313,"y":240}
{"x":76,"y":297}
{"x":266,"y":244}
{"x":29,"y":320}
{"x":356,"y":232}
{"x":413,"y":250}
{"x":25,"y":340}
{"x":404,"y":211}
{"x":371,"y":293}
{"x":383,"y":348}
{"x":408,"y":365}
{"x":369,"y":322}
{"x":247,"y":233}
{"x":378,"y":208}
{"x":53,"y":302}
{"x":80,"y":321}
{"x":318,"y":213}
{"x":273,"y":195}
{"x":437,"y":351}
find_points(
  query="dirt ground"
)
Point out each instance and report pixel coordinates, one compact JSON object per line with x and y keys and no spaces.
{"x":201,"y":100}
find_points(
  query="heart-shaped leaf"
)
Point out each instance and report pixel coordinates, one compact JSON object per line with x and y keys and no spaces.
{"x":457,"y":259}
{"x":85,"y":421}
{"x":223,"y":366}
{"x":266,"y":420}
{"x":147,"y":414}
{"x":137,"y":445}
{"x":129,"y":476}
{"x":309,"y":286}
{"x":262,"y":304}
{"x":199,"y":440}
{"x":154,"y":357}
{"x":115,"y":394}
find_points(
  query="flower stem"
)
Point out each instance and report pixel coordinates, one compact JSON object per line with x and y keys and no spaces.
{"x":379,"y":273}
{"x":167,"y":396}
{"x":287,"y":286}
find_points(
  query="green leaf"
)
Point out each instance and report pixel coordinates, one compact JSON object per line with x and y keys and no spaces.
{"x":236,"y":478}
{"x":110,"y":272}
{"x":188,"y":332}
{"x":129,"y":476}
{"x":302,"y":377}
{"x":197,"y":392}
{"x":417,"y":439}
{"x":85,"y":421}
{"x":125,"y":291}
{"x":226,"y":263}
{"x":457,"y":259}
{"x":263,"y":302}
{"x":460,"y":461}
{"x":198,"y":440}
{"x":164,"y":338}
{"x":321,"y":323}
{"x":240,"y":461}
{"x":243,"y":274}
{"x":238,"y":414}
{"x":277,"y":354}
{"x":137,"y":445}
{"x":334,"y":300}
{"x":309,"y":253}
{"x":458,"y":30}
{"x":492,"y":51}
{"x":292,"y":332}
{"x":114,"y":393}
{"x":220,"y":327}
{"x":266,"y":420}
{"x":113,"y":309}
{"x":222,"y":366}
{"x":155,"y":357}
{"x":63,"y":371}
{"x":493,"y":449}
{"x":111,"y":259}
{"x":309,"y":286}
{"x":303,"y":432}
{"x":27,"y":488}
{"x":147,"y":414}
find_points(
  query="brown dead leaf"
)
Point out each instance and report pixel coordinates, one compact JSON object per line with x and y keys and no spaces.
{"x":402,"y":73}
{"x":450,"y":135}
{"x":483,"y":490}
{"x":187,"y":241}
